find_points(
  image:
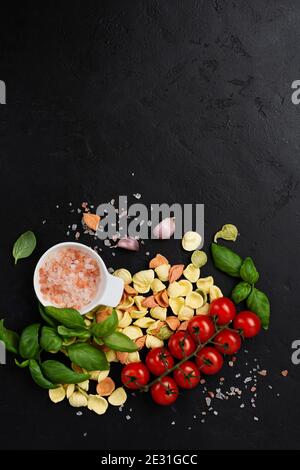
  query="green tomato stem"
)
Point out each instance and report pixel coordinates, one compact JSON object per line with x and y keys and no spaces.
{"x":186,"y":358}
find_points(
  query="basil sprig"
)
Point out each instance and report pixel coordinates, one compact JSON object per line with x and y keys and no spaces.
{"x":232,"y":264}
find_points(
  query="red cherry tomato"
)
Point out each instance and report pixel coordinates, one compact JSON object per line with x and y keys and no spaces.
{"x":158,"y":360}
{"x":223,"y":309}
{"x":135,"y":375}
{"x":228,"y":342}
{"x":201,"y":328}
{"x":209,"y":360}
{"x":164,"y":392}
{"x":248,"y":323}
{"x":181,"y":344}
{"x":187,"y":375}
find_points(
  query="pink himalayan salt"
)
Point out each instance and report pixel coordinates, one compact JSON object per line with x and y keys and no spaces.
{"x":69,"y":278}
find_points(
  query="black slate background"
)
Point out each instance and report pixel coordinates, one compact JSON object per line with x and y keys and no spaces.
{"x":194,"y":98}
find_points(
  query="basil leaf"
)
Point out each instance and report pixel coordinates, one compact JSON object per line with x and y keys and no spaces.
{"x":71,"y":333}
{"x":50,"y":341}
{"x":68,"y":317}
{"x":107,"y":326}
{"x":226,"y":260}
{"x":88,"y":357}
{"x":57,"y":372}
{"x":240,"y":292}
{"x":248,"y":271}
{"x":24,"y":246}
{"x":9,"y":338}
{"x":22,"y":364}
{"x":45,"y":317}
{"x":259,"y":303}
{"x":29,"y":342}
{"x":38,"y":377}
{"x":119,"y":342}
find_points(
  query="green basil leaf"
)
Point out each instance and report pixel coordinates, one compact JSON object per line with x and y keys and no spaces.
{"x":68,"y":317}
{"x":50,"y":341}
{"x":22,"y":364}
{"x":240,"y":292}
{"x":107,"y":326}
{"x":29,"y":342}
{"x":38,"y":377}
{"x":45,"y":317}
{"x":259,"y":303}
{"x":226,"y":260}
{"x":24,"y":246}
{"x":119,"y":342}
{"x":98,"y":341}
{"x":248,"y":271}
{"x":9,"y":338}
{"x":73,"y":332}
{"x":88,"y":357}
{"x":57,"y":372}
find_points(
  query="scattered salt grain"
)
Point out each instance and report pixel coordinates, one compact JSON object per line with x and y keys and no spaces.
{"x":128,"y":417}
{"x":173,"y":422}
{"x":256,"y":418}
{"x":247,"y":379}
{"x":137,"y":195}
{"x":79,"y":413}
{"x":230,"y":363}
{"x":189,"y":428}
{"x":84,"y":434}
{"x":107,"y":243}
{"x":284,"y":373}
{"x":242,"y":405}
{"x":216,"y":413}
{"x":208,"y":401}
{"x":74,"y":227}
{"x":263,"y":372}
{"x":44,"y":221}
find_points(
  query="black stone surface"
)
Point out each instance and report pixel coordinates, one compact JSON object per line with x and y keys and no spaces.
{"x":194,"y":97}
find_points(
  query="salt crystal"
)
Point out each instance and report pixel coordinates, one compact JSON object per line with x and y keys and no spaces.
{"x":110,"y":270}
{"x":247,"y":379}
{"x":242,"y":405}
{"x":44,"y":221}
{"x":284,"y":373}
{"x":194,"y":416}
{"x":215,"y":413}
{"x":132,"y":174}
{"x":84,"y":434}
{"x":137,"y":195}
{"x":208,"y":401}
{"x":230,"y":363}
{"x":79,"y":413}
{"x":263,"y":372}
{"x":189,"y":428}
{"x":74,"y":227}
{"x":128,"y":417}
{"x":173,"y":422}
{"x":202,"y":420}
{"x":256,"y":418}
{"x":107,"y":242}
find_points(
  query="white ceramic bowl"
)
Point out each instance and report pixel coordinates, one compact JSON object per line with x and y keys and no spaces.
{"x":110,"y":288}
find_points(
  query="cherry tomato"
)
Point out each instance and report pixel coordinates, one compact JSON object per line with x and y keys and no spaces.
{"x":201,"y":328}
{"x":181,"y":344}
{"x":159,"y":360}
{"x":187,"y":375}
{"x":135,"y":375}
{"x":223,"y":309}
{"x":164,"y":392}
{"x":228,"y":342}
{"x":248,"y":323}
{"x":209,"y":360}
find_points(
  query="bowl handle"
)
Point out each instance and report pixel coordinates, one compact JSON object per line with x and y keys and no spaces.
{"x":113,"y":292}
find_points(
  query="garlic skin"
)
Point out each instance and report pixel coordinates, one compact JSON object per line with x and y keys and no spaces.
{"x":128,"y":243}
{"x":165,"y":229}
